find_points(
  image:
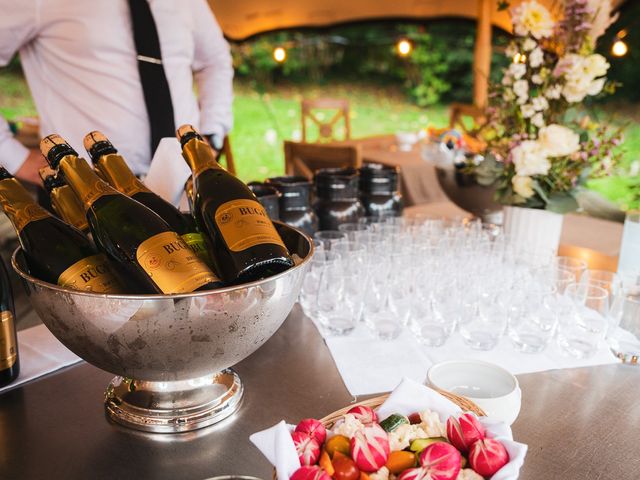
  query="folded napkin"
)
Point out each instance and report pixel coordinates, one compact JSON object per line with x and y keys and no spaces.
{"x":168,"y":171}
{"x":408,"y":397}
{"x":40,"y":353}
{"x":368,"y":365}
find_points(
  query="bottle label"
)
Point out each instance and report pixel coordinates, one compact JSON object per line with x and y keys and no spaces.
{"x":18,"y":204}
{"x":172,"y":265}
{"x":197,"y":244}
{"x":244,"y":223}
{"x":8,"y":347}
{"x":91,"y":274}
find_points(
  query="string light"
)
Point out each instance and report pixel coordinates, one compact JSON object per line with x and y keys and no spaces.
{"x":519,"y":58}
{"x":279,"y":54}
{"x":404,"y":47}
{"x":619,"y":47}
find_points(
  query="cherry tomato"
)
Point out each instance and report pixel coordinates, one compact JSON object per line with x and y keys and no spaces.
{"x":399,"y":461}
{"x":339,"y":443}
{"x":344,"y":467}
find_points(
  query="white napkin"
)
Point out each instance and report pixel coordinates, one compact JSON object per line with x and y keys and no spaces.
{"x":368,"y":365}
{"x":276,"y":444}
{"x":408,"y":397}
{"x":40,"y":353}
{"x":168,"y":171}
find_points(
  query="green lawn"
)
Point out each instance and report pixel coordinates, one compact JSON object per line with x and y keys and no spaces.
{"x":263,"y":121}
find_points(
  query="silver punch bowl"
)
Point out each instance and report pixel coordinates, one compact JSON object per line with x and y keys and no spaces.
{"x":171,"y":353}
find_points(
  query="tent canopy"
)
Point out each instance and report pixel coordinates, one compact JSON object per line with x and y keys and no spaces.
{"x":241,"y":19}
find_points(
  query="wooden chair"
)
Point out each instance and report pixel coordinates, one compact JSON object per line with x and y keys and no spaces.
{"x":227,"y":154}
{"x":459,"y":112}
{"x":305,"y":158}
{"x":325,"y":128}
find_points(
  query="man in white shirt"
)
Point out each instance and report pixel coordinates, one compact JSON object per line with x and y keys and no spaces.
{"x":81,"y":63}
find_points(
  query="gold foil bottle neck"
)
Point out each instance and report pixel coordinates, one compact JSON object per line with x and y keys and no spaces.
{"x":115,"y":171}
{"x":18,"y":205}
{"x":199,"y":156}
{"x":84,"y":181}
{"x":68,"y":206}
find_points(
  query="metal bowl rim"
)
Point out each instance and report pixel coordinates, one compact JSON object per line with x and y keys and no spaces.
{"x":123,"y":296}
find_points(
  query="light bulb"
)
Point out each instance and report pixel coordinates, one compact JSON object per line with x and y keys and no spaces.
{"x":619,"y":48}
{"x":404,"y":47}
{"x":279,"y":54}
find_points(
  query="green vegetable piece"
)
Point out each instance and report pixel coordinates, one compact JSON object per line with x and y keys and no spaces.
{"x":420,"y":444}
{"x":393,"y":421}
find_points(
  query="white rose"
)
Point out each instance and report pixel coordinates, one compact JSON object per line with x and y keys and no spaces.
{"x":527,"y":111}
{"x":532,"y":18}
{"x":521,"y":89}
{"x":511,"y":50}
{"x":558,"y":141}
{"x":529,"y":44}
{"x":522,"y":186}
{"x":538,"y":120}
{"x":540,"y":103}
{"x":596,"y":86}
{"x":530,"y":159}
{"x":537,"y":79}
{"x":595,"y":65}
{"x":517,"y":70}
{"x":536,"y":58}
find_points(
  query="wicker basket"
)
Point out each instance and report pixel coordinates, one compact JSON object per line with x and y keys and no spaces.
{"x":464,"y":403}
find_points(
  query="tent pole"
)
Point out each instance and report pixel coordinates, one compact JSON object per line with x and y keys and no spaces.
{"x":482,"y":54}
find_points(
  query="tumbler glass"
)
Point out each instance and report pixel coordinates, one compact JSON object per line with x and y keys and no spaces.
{"x":486,"y":325}
{"x":329,"y":238}
{"x":339,"y":299}
{"x":532,"y":321}
{"x":580,"y":333}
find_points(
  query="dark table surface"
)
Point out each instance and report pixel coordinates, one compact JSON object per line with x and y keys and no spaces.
{"x":579,"y":423}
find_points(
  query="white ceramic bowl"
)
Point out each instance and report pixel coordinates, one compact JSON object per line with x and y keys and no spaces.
{"x":489,"y":386}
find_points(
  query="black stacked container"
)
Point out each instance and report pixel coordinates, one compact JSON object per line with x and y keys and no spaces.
{"x":295,"y":202}
{"x":269,"y":198}
{"x":379,"y":192}
{"x":337,"y":199}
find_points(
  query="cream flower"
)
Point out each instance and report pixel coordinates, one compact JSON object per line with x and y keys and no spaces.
{"x":581,"y":74}
{"x":540,"y":104}
{"x":508,"y":96}
{"x":558,"y":141}
{"x":536,"y":57}
{"x":553,"y":92}
{"x":529,"y":44}
{"x":521,"y":89}
{"x":527,"y":110}
{"x":538,"y":120}
{"x":517,"y":70}
{"x":532,"y":18}
{"x":537,"y":79}
{"x":522,"y":186}
{"x":530,"y":159}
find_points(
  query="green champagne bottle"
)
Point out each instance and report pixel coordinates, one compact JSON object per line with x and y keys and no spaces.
{"x":64,"y":201}
{"x":55,"y":252}
{"x":113,"y":169}
{"x":150,"y":257}
{"x":244,"y":243}
{"x":9,"y":361}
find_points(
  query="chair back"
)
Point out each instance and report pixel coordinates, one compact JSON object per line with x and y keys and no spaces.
{"x":227,"y":154}
{"x":339,"y":110}
{"x":305,"y":158}
{"x":459,"y":112}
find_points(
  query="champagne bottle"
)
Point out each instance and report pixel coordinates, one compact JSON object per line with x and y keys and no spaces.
{"x":9,"y":361}
{"x":245,"y":244}
{"x":113,"y":169}
{"x":150,"y":257}
{"x":55,"y":252}
{"x":64,"y":201}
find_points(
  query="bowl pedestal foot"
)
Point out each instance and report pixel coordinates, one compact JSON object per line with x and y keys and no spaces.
{"x":174,"y":406}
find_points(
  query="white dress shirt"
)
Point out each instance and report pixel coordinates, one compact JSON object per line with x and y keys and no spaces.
{"x":79,"y":59}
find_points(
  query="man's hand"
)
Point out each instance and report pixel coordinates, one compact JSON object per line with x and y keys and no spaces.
{"x":28,"y":172}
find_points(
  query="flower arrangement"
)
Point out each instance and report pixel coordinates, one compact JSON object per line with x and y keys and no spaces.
{"x":540,"y":147}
